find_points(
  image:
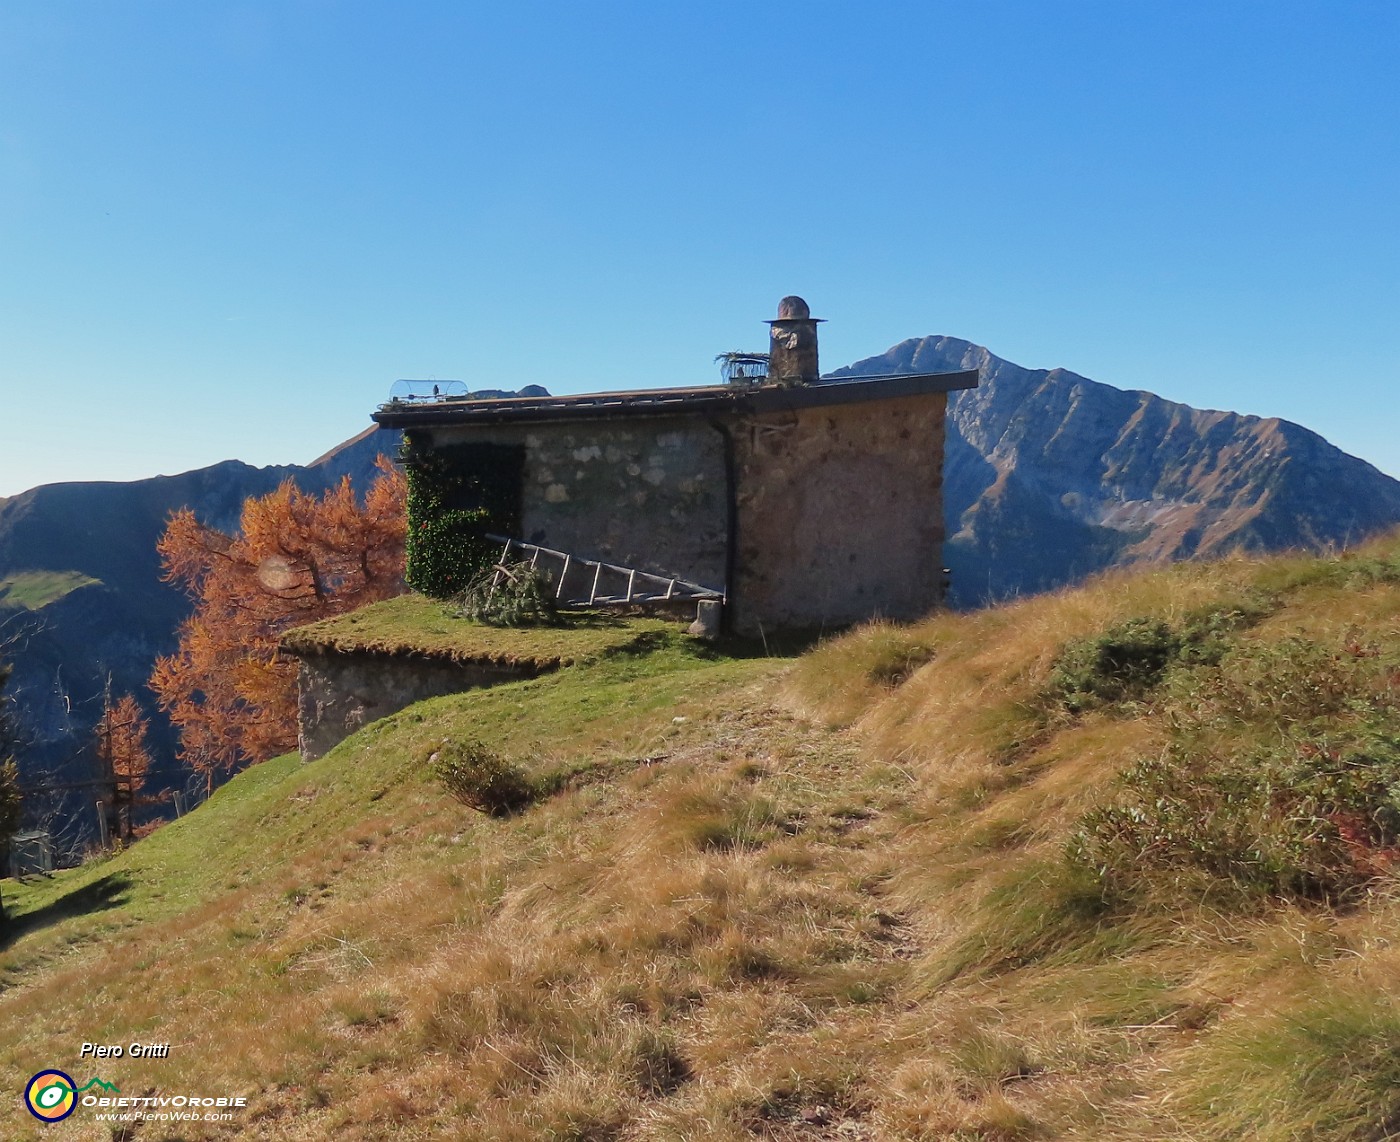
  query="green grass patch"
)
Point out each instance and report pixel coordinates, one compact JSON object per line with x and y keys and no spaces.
{"x":1326,"y":1069}
{"x":1376,"y":562}
{"x":34,"y":590}
{"x":418,"y":625}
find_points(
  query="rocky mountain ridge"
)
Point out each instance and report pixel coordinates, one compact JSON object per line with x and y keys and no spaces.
{"x":1050,"y":476}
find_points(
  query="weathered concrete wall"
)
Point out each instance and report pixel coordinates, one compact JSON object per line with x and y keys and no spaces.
{"x":337,"y":693}
{"x":840,"y":514}
{"x":649,"y":494}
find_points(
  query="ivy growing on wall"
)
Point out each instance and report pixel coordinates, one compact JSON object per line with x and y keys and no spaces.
{"x":457,"y":495}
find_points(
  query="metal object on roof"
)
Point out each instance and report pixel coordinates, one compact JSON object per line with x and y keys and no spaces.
{"x":431,"y":390}
{"x":743,"y":368}
{"x":793,"y":308}
{"x":696,"y":400}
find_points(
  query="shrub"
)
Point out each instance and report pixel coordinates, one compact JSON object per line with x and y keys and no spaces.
{"x":1280,"y":777}
{"x":1207,"y":633}
{"x":481,"y":778}
{"x":445,"y":551}
{"x":1121,"y":664}
{"x":510,"y":595}
{"x":1127,"y":662}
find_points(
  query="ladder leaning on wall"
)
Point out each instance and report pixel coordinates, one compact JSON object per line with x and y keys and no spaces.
{"x":608,"y":584}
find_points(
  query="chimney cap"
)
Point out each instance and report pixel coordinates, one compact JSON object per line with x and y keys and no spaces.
{"x":793,"y":308}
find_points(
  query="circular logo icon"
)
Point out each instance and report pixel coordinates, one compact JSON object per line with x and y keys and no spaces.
{"x":50,"y":1096}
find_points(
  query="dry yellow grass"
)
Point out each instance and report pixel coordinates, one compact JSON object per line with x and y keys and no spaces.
{"x":816,"y":900}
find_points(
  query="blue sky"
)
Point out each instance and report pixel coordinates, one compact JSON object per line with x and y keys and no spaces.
{"x":227,"y":227}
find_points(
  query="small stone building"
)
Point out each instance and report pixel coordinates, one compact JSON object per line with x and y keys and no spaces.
{"x":805,"y":502}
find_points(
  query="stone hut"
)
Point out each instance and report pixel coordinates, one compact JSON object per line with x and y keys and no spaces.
{"x":804,"y":502}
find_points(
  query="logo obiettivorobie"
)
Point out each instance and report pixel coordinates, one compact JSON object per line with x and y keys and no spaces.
{"x":52,"y":1096}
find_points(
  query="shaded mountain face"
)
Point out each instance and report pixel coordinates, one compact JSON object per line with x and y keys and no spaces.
{"x":1050,"y":476}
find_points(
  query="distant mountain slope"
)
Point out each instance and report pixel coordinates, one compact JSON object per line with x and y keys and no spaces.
{"x":1051,"y":476}
{"x":81,"y":595}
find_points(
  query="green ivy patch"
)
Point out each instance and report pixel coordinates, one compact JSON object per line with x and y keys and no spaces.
{"x":457,"y":495}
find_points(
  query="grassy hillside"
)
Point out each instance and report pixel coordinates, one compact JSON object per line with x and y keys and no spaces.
{"x":1115,"y":863}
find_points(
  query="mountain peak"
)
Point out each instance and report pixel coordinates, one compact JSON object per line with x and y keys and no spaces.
{"x":1051,"y":476}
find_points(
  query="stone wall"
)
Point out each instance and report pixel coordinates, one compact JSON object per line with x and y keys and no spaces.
{"x":840,"y":514}
{"x":649,"y":494}
{"x":338,"y":692}
{"x":838,"y":509}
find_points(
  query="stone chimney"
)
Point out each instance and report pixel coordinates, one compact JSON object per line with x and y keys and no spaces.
{"x":793,"y":354}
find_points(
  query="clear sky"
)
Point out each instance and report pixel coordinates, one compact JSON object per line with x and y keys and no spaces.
{"x":227,"y":226}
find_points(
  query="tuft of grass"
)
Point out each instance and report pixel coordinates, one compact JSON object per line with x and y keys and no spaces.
{"x":1042,"y":909}
{"x":658,"y":1066}
{"x":842,"y":677}
{"x":1325,"y":1067}
{"x":480,"y":777}
{"x":720,"y":818}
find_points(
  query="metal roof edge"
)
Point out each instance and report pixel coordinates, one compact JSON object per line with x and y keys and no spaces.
{"x":674,"y":401}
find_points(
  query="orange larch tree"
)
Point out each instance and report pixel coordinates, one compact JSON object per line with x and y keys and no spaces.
{"x":121,"y":748}
{"x":298,"y":558}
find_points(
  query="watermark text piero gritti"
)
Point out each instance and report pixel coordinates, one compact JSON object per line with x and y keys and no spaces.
{"x":51,"y":1096}
{"x":130,"y":1051}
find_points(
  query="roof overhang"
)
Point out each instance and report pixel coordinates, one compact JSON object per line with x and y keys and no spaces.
{"x":704,"y":400}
